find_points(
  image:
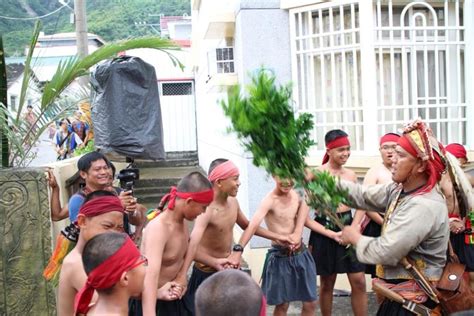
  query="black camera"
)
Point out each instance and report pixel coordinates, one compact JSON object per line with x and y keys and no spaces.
{"x":127,"y":178}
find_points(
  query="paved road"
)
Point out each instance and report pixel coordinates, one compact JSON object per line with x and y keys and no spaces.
{"x":45,"y":152}
{"x":341,"y":307}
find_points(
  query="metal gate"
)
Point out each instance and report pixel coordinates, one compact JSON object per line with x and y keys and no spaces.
{"x":369,"y":66}
{"x":178,"y":111}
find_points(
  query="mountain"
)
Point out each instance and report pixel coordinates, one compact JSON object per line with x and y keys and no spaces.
{"x":110,"y":19}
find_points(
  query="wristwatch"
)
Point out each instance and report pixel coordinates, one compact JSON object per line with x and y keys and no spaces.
{"x":238,"y":248}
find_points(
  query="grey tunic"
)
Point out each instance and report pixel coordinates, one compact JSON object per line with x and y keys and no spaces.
{"x":418,"y":228}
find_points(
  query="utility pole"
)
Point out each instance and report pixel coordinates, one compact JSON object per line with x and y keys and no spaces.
{"x":81,"y":33}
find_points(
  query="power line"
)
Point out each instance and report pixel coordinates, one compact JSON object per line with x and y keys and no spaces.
{"x":36,"y":17}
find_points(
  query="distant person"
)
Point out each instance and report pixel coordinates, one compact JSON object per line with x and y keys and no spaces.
{"x":80,"y":127}
{"x":66,"y":140}
{"x":30,"y":119}
{"x":230,"y":293}
{"x":115,"y":269}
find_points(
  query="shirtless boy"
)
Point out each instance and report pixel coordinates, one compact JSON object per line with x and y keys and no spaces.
{"x":332,"y":258}
{"x":96,"y":216}
{"x":370,"y":222}
{"x":289,"y":274}
{"x":212,"y":235}
{"x":165,"y":241}
{"x":115,"y":269}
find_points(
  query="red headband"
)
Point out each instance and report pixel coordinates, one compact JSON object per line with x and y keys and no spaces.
{"x":101,"y":205}
{"x":203,"y":197}
{"x":457,"y":150}
{"x":107,"y":274}
{"x":335,"y":143}
{"x":390,"y":137}
{"x":223,"y":171}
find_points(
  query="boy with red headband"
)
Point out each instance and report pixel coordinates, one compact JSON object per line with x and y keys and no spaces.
{"x":415,"y":222}
{"x":115,"y":269}
{"x":212,"y":235}
{"x":461,"y":240}
{"x":165,"y":241}
{"x":370,"y":222}
{"x":332,"y":258}
{"x":289,"y":272}
{"x":96,"y":216}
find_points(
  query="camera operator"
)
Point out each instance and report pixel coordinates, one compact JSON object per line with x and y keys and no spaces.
{"x":97,"y":172}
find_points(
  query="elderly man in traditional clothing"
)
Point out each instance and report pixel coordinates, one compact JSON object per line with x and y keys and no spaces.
{"x":415,"y":225}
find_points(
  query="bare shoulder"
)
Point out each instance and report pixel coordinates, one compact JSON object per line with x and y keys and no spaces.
{"x":233,"y":203}
{"x":156,"y":227}
{"x":348,"y":174}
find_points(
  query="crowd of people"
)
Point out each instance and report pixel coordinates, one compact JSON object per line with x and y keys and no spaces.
{"x":405,"y":208}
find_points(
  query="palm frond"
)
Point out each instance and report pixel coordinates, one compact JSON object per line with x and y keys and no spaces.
{"x":27,"y":71}
{"x":74,"y":67}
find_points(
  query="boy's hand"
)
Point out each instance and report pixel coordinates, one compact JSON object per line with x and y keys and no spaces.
{"x":308,"y":175}
{"x":456,"y":225}
{"x":294,"y":241}
{"x":234,"y":260}
{"x":221,"y":264}
{"x":181,"y":281}
{"x":169,"y":292}
{"x":350,"y":235}
{"x":336,"y":237}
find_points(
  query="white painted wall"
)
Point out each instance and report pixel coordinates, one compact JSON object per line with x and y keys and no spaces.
{"x":261,"y":38}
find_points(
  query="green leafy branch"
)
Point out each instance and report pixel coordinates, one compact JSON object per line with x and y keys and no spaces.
{"x":266,"y":125}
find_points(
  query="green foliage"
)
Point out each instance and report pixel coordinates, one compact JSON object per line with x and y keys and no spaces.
{"x":53,"y":105}
{"x":90,"y":147}
{"x":267,"y":127}
{"x":113,"y":20}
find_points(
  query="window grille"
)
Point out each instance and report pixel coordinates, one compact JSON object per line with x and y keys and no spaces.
{"x":13,"y":102}
{"x":225,"y":60}
{"x":412,"y":66}
{"x":177,"y":88}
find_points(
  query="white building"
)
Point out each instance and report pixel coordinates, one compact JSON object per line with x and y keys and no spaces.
{"x":364,"y":66}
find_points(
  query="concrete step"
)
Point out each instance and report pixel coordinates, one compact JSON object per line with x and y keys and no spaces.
{"x":173,"y":159}
{"x":150,"y":200}
{"x":151,"y":190}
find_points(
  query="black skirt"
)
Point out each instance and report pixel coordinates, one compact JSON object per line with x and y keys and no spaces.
{"x":329,"y":256}
{"x":197,"y":277}
{"x":372,"y":230}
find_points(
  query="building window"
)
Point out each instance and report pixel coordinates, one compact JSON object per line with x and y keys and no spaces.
{"x":418,"y":52}
{"x":225,"y":60}
{"x":13,"y":99}
{"x":177,"y":88}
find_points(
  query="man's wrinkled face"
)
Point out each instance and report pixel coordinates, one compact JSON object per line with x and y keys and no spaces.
{"x":403,"y":165}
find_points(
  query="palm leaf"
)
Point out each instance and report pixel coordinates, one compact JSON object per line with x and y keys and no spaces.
{"x":27,"y":71}
{"x":74,"y":67}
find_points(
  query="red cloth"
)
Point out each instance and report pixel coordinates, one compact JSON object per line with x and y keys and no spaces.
{"x":338,"y":142}
{"x":389,"y":137}
{"x":223,"y":171}
{"x":457,"y":150}
{"x":263,"y":307}
{"x":107,"y":274}
{"x":203,"y":197}
{"x":101,"y":205}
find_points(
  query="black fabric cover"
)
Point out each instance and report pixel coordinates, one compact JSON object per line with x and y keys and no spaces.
{"x":126,"y":111}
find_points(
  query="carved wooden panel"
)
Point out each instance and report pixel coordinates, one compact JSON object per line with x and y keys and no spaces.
{"x":25,"y":232}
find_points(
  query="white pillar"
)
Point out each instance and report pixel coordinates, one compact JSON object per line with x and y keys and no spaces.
{"x":368,"y":75}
